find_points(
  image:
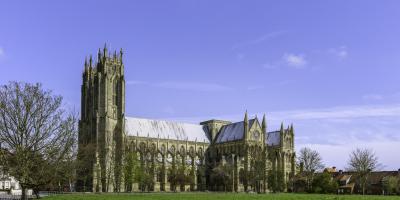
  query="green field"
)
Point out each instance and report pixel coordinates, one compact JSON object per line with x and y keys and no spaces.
{"x":217,"y":196}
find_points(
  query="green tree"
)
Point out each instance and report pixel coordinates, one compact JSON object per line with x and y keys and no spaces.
{"x":84,"y":164}
{"x":257,"y":171}
{"x":36,"y":133}
{"x":272,"y":182}
{"x":276,"y":181}
{"x":391,"y":184}
{"x":172,"y":176}
{"x":323,"y":183}
{"x":143,"y":176}
{"x":222,"y":176}
{"x":182,"y":177}
{"x":130,"y":165}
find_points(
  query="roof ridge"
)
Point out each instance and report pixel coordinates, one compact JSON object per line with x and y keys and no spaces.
{"x":162,"y":120}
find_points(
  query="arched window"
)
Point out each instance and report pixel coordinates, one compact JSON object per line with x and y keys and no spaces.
{"x":115,"y":92}
{"x":159,"y":174}
{"x":241,"y":176}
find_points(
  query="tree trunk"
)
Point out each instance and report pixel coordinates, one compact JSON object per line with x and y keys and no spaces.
{"x":23,"y":194}
{"x":70,"y":185}
{"x":84,"y":185}
{"x":36,"y":193}
{"x":363,"y":189}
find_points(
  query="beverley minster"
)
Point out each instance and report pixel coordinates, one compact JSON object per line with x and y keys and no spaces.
{"x":118,"y":153}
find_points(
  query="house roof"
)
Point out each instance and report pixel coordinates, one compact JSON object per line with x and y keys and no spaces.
{"x":374,"y":177}
{"x":345,"y":177}
{"x":330,"y":169}
{"x":164,"y":129}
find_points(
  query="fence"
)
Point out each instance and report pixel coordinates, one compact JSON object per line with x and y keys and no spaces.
{"x":5,"y":196}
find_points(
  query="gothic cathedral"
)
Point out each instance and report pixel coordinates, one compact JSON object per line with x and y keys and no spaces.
{"x":126,"y":154}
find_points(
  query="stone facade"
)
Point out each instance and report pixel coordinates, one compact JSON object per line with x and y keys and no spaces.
{"x":101,"y":127}
{"x":118,"y":153}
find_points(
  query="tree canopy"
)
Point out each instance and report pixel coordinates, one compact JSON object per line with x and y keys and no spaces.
{"x":36,"y":133}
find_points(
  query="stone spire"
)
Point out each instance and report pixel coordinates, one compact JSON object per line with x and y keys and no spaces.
{"x":291,"y":129}
{"x":264,"y":125}
{"x":105,"y":51}
{"x":246,"y":125}
{"x":121,"y":53}
{"x":281,"y":134}
{"x":99,"y":56}
{"x":86,"y":63}
{"x":264,"y":129}
{"x":90,"y":60}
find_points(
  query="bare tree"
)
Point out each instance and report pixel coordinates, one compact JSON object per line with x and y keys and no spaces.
{"x":363,"y":161}
{"x":35,"y":132}
{"x":311,"y":161}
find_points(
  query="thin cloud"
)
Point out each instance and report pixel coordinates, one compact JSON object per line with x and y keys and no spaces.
{"x":342,"y":112}
{"x":189,"y":86}
{"x":271,"y":66}
{"x":340,"y":52}
{"x":259,"y":40}
{"x":337,"y":155}
{"x":375,"y":97}
{"x":335,"y":131}
{"x":134,"y":82}
{"x":240,"y":56}
{"x":169,"y":110}
{"x":255,"y":87}
{"x":297,"y":61}
{"x":354,"y":123}
{"x":2,"y":53}
{"x":285,"y":82}
{"x":194,"y":86}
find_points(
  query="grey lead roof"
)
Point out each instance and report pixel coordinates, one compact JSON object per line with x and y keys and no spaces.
{"x":164,"y":129}
{"x":273,"y":138}
{"x":251,"y":122}
{"x":231,"y":132}
{"x":234,"y":131}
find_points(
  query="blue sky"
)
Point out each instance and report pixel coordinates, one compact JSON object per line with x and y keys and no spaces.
{"x":330,"y":67}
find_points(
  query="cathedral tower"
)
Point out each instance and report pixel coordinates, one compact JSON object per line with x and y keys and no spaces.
{"x":102,"y":123}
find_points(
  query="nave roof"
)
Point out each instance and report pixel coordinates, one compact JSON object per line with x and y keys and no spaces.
{"x":164,"y":129}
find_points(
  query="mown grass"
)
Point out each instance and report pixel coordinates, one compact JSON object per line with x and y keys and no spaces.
{"x":216,"y":196}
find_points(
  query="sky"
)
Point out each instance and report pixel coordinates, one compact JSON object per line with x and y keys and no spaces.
{"x":329,"y":67}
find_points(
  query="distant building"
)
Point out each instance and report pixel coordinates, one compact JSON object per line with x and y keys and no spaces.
{"x":167,"y":151}
{"x":8,"y":182}
{"x":349,"y":182}
{"x":10,"y":185}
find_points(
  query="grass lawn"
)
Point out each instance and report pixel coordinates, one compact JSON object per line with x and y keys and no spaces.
{"x":217,"y":196}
